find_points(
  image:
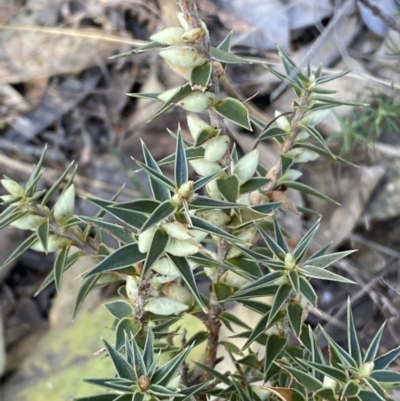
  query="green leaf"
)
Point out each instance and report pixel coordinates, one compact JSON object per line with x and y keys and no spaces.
{"x":59,"y":267}
{"x":164,"y":374}
{"x":353,"y":344}
{"x":292,"y":70}
{"x":372,"y":350}
{"x":308,"y":291}
{"x":228,"y":317}
{"x":200,"y":76}
{"x":114,"y":230}
{"x":228,"y":186}
{"x":351,"y":388}
{"x":134,"y":219}
{"x":243,"y":396}
{"x":303,"y":378}
{"x":146,"y":206}
{"x":36,"y":174}
{"x":128,"y":327}
{"x":204,"y":202}
{"x":186,"y":273}
{"x":182,"y":92}
{"x":219,"y":376}
{"x":120,"y":308}
{"x":267,"y":208}
{"x":13,"y":215}
{"x":271,"y":132}
{"x":203,"y":225}
{"x":111,"y":384}
{"x":225,"y":45}
{"x":158,"y":244}
{"x":253,"y":184}
{"x":328,"y":78}
{"x":280,"y":239}
{"x":326,"y":260}
{"x":205,"y":134}
{"x":126,"y":256}
{"x":365,"y":395}
{"x":301,"y":155}
{"x":273,"y":347}
{"x":148,"y":350}
{"x":249,"y":266}
{"x":321,"y":274}
{"x":294,"y":281}
{"x":318,"y":137}
{"x":226,"y":57}
{"x":307,"y":190}
{"x":286,"y":163}
{"x":327,"y":393}
{"x":157,"y":176}
{"x":334,"y":373}
{"x":43,"y":234}
{"x":83,"y":293}
{"x":123,"y":368}
{"x":160,"y":192}
{"x":234,"y":110}
{"x":149,"y":96}
{"x":272,"y":245}
{"x":147,"y":47}
{"x":164,"y":210}
{"x":383,"y":361}
{"x":280,"y":299}
{"x":20,"y":250}
{"x":191,"y":154}
{"x":181,"y":167}
{"x":100,"y":397}
{"x":305,"y":242}
{"x":386,"y":376}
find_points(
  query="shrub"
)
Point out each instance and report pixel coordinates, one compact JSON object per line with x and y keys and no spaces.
{"x":209,"y":226}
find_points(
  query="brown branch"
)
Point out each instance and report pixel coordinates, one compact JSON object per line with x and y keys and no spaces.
{"x":390,"y":21}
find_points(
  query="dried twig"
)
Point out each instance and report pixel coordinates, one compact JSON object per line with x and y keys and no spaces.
{"x":390,"y":21}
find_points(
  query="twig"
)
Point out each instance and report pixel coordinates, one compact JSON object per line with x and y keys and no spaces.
{"x":378,"y":12}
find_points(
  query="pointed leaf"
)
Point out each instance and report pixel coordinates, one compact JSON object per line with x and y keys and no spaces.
{"x":303,"y":378}
{"x":36,"y":173}
{"x":122,"y":367}
{"x":272,"y":132}
{"x":83,"y":293}
{"x":163,"y":211}
{"x":126,"y":256}
{"x":205,"y":134}
{"x":187,"y":275}
{"x":138,"y":205}
{"x":100,"y":397}
{"x":120,"y":308}
{"x":228,"y":187}
{"x":383,"y":361}
{"x":43,"y":234}
{"x":273,"y":347}
{"x":148,"y":350}
{"x":234,"y":111}
{"x":201,"y":76}
{"x":372,"y":350}
{"x":321,"y":274}
{"x":211,"y":229}
{"x":267,"y":208}
{"x":326,"y":260}
{"x":226,"y":57}
{"x":305,"y":242}
{"x":280,"y":239}
{"x":181,"y":167}
{"x":204,"y":202}
{"x":353,"y":344}
{"x":307,"y":190}
{"x":308,"y":291}
{"x":219,"y":376}
{"x":20,"y":250}
{"x":386,"y":376}
{"x":280,"y":299}
{"x":59,"y":267}
{"x":273,"y":246}
{"x":149,"y":96}
{"x":157,"y":176}
{"x":253,"y":184}
{"x":158,"y":244}
{"x":127,"y":325}
{"x":328,"y":78}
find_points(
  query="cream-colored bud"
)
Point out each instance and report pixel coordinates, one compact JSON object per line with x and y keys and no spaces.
{"x":213,"y":191}
{"x":176,"y":230}
{"x":290,"y":261}
{"x":184,"y":56}
{"x":302,"y":135}
{"x":178,"y":247}
{"x":7,"y":198}
{"x":191,"y":35}
{"x":216,"y":148}
{"x":12,"y":187}
{"x":182,"y":21}
{"x":329,"y":382}
{"x":243,"y":199}
{"x":366,"y":369}
{"x":198,"y":235}
{"x":282,"y":122}
{"x":169,"y":36}
{"x":167,"y":94}
{"x":185,"y":72}
{"x":165,"y":267}
{"x":28,"y":222}
{"x":247,"y":236}
{"x":145,"y":239}
{"x":216,"y":217}
{"x":164,"y":306}
{"x":186,"y":189}
{"x":205,"y":168}
{"x":64,"y":206}
{"x":55,"y":242}
{"x":197,"y":102}
{"x":196,"y":124}
{"x":178,"y":293}
{"x":210,"y":272}
{"x":158,"y":279}
{"x":246,"y":166}
{"x":232,"y":279}
{"x":315,"y":117}
{"x":131,"y":288}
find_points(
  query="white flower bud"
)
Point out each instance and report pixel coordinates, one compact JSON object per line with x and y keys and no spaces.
{"x":178,"y":247}
{"x":55,"y":242}
{"x":290,"y":261}
{"x":161,"y":279}
{"x":216,"y":148}
{"x":315,"y":117}
{"x":145,"y":239}
{"x":182,"y":21}
{"x":366,"y":369}
{"x":178,"y":293}
{"x":282,"y":122}
{"x":176,"y":230}
{"x":12,"y":187}
{"x":213,"y":191}
{"x":246,"y":166}
{"x":28,"y":222}
{"x":198,"y":101}
{"x":186,"y":189}
{"x":196,"y":124}
{"x":329,"y":382}
{"x":131,"y":288}
{"x":64,"y":206}
{"x":165,"y":267}
{"x":193,"y":34}
{"x":165,"y":306}
{"x":232,"y":279}
{"x":216,"y":217}
{"x":205,"y":168}
{"x":184,"y":56}
{"x":169,"y":36}
{"x":167,"y":94}
{"x":247,"y":236}
{"x":244,"y":199}
{"x":302,"y":155}
{"x":198,"y":235}
{"x":7,"y":198}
